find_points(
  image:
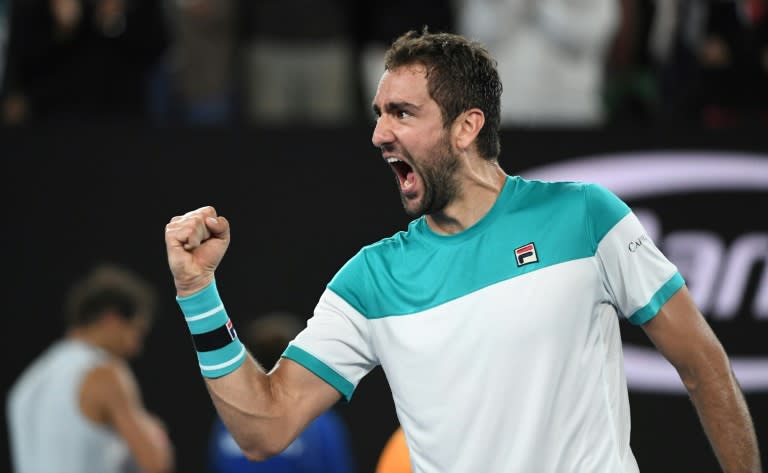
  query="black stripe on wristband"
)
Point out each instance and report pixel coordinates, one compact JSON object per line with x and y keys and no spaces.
{"x":215,"y":339}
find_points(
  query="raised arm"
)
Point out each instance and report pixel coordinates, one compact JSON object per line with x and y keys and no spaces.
{"x":263,"y":411}
{"x":682,"y":335}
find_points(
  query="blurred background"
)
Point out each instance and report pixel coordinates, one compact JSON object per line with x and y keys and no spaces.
{"x":118,"y":114}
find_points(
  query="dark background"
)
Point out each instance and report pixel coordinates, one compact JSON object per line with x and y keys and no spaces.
{"x":300,"y":203}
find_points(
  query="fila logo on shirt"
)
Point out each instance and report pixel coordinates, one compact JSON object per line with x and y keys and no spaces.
{"x":526,"y":254}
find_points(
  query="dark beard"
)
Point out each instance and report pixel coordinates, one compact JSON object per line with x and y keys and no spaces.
{"x":439,"y":179}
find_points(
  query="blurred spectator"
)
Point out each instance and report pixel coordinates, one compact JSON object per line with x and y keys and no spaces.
{"x":297,"y":61}
{"x":81,"y":59}
{"x":77,"y":407}
{"x":551,"y":53}
{"x":378,"y":23}
{"x":631,"y":91}
{"x":322,"y":447}
{"x":196,"y":83}
{"x":716,"y":70}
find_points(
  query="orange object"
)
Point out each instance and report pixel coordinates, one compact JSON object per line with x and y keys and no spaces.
{"x":394,"y":456}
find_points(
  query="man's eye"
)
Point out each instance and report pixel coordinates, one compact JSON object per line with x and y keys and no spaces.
{"x":403,"y":114}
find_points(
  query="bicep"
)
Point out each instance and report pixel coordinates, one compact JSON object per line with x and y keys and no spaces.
{"x":680,"y":333}
{"x":266,"y":412}
{"x":304,"y":394}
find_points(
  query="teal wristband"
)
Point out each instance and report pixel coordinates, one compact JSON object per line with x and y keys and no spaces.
{"x":219,"y":351}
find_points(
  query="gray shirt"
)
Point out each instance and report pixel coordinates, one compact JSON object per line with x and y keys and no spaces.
{"x":48,"y":431}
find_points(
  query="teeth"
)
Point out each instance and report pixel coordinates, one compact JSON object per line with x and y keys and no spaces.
{"x":393,"y":160}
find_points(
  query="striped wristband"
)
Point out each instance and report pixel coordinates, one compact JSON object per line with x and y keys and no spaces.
{"x":219,"y":351}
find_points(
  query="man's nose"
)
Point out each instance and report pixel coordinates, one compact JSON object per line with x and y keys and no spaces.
{"x":382,"y":133}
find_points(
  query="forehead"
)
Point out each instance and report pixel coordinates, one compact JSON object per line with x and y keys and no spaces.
{"x":403,"y":84}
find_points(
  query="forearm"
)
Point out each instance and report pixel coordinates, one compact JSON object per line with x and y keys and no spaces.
{"x":725,"y":417}
{"x":683,"y":336}
{"x":155,"y":453}
{"x":243,"y":394}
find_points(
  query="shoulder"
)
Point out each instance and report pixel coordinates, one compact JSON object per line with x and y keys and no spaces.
{"x":370,"y":257}
{"x":559,"y":188}
{"x":592,"y":197}
{"x":575,"y":204}
{"x":112,"y":375}
{"x":106,"y":388}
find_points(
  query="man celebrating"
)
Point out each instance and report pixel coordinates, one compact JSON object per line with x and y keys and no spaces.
{"x":495,"y":315}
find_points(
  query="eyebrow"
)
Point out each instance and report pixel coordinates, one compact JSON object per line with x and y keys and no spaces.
{"x":407,"y":106}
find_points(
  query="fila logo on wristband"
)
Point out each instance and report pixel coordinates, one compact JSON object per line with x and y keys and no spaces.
{"x":231,"y":330}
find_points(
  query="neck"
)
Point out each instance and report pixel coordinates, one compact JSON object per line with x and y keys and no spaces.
{"x":481,"y":184}
{"x":91,"y":337}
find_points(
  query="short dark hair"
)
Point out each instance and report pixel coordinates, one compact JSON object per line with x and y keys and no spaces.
{"x":461,"y":74}
{"x":108,"y":287}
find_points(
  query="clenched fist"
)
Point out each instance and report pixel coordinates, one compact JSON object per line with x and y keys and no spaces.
{"x":196,"y":243}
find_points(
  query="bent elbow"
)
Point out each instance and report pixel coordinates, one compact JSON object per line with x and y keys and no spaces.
{"x":716,"y":371}
{"x":160,"y":467}
{"x":689,"y":380}
{"x":256,"y":455}
{"x":261,"y":453}
{"x":263,"y":447}
{"x":162,"y":462}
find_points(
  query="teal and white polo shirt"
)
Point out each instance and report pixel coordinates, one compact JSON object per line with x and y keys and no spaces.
{"x":501,"y":344}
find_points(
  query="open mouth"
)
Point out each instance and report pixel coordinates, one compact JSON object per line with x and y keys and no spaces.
{"x":404,"y":173}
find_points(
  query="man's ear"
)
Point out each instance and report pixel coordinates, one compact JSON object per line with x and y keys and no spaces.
{"x":467,"y":126}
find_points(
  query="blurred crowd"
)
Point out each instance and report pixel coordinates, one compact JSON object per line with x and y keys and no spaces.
{"x":564,"y":63}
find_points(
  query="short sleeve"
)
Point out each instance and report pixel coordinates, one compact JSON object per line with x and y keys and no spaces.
{"x":637,"y":276}
{"x":335,"y":345}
